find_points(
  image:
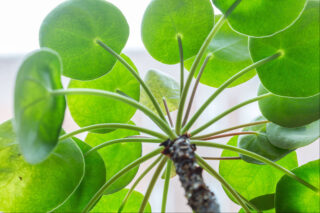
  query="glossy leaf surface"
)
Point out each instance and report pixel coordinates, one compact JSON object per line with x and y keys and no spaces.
{"x":94,"y":178}
{"x":230,"y":54}
{"x":37,"y":188}
{"x":161,"y":85}
{"x":295,"y":73}
{"x":261,"y":17}
{"x":253,"y":180}
{"x":117,"y":156}
{"x":291,"y":196}
{"x":38,"y":115}
{"x":112,"y":202}
{"x":164,"y":20}
{"x":72,"y":30}
{"x":90,"y":109}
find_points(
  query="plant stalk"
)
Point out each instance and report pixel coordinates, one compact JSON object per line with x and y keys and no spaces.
{"x":181,"y":63}
{"x":167,"y":111}
{"x":229,"y":135}
{"x":166,"y":186}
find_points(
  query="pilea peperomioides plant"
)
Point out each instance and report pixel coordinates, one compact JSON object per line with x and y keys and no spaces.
{"x":44,"y":169}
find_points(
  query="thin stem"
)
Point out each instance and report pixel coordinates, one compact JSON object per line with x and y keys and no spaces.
{"x":181,"y":63}
{"x":113,"y":126}
{"x":162,"y":124}
{"x":136,"y":75}
{"x":137,"y":182}
{"x":123,"y":171}
{"x":228,"y":135}
{"x":227,"y":186}
{"x":151,"y":184}
{"x":212,"y":121}
{"x":257,"y":157}
{"x":221,"y":158}
{"x":229,"y":129}
{"x":166,"y":186}
{"x":195,"y":89}
{"x":121,"y":140}
{"x":225,"y":85}
{"x":167,"y":110}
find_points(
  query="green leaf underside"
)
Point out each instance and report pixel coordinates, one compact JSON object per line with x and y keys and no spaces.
{"x":164,"y":20}
{"x":261,"y":17}
{"x":112,"y":202}
{"x":72,"y":30}
{"x":253,"y":180}
{"x":161,"y":86}
{"x":117,"y":156}
{"x":90,"y":109}
{"x":292,"y":196}
{"x":230,"y":54}
{"x":260,"y":144}
{"x":37,"y":188}
{"x":38,"y":116}
{"x":293,"y":138}
{"x":264,"y":203}
{"x":296,"y":72}
{"x":288,"y":111}
{"x":94,"y":178}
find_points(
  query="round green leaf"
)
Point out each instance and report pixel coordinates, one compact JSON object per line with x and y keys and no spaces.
{"x":296,"y":72}
{"x":117,"y":156}
{"x":37,"y":188}
{"x":164,"y":20}
{"x":161,"y":86}
{"x":112,"y":202}
{"x":264,"y":203}
{"x":94,"y":178}
{"x":90,"y":109}
{"x":252,"y":180}
{"x":230,"y":54}
{"x":261,"y":17}
{"x":293,"y":138}
{"x":72,"y":30}
{"x":292,"y":196}
{"x":38,"y":116}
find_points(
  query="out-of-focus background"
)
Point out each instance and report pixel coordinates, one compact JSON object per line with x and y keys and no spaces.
{"x":19,"y":24}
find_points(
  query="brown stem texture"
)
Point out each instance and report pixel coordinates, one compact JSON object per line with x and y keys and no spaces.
{"x":198,"y":194}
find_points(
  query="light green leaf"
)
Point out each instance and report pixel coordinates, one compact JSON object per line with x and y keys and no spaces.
{"x":161,"y":86}
{"x":261,"y":17}
{"x":293,"y":138}
{"x":111,"y":203}
{"x":288,"y":111}
{"x":37,"y":188}
{"x":89,"y":109}
{"x":38,"y":115}
{"x":164,"y":20}
{"x":292,"y":196}
{"x":296,"y":72}
{"x":252,"y":180}
{"x":117,"y":156}
{"x":230,"y":54}
{"x":94,"y":178}
{"x":72,"y":30}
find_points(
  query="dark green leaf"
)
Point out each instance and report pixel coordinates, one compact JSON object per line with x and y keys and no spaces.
{"x":89,"y":109}
{"x":252,"y":180}
{"x":292,"y":196}
{"x":37,"y":188}
{"x":38,"y":115}
{"x":72,"y":30}
{"x":289,"y":112}
{"x":293,"y":138}
{"x":261,"y":17}
{"x":94,"y":178}
{"x":164,"y":20}
{"x":296,"y":72}
{"x":117,"y":156}
{"x":230,"y":54}
{"x":161,"y":86}
{"x":111,"y":203}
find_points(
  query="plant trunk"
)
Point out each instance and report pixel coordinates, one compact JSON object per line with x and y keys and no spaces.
{"x":181,"y":152}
